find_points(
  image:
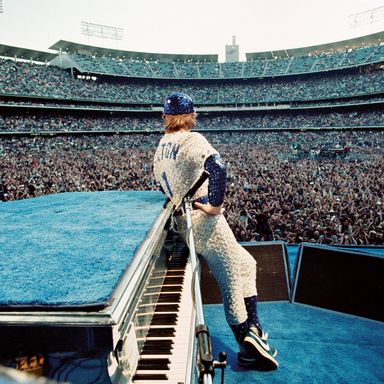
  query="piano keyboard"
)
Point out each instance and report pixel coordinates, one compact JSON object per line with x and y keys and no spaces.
{"x":167,"y":353}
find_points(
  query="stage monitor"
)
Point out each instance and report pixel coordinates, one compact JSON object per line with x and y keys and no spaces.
{"x":272,"y":273}
{"x":340,"y":279}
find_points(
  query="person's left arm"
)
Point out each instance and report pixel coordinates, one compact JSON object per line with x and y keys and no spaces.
{"x":217,"y":182}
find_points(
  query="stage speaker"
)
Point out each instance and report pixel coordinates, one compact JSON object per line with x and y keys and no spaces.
{"x":272,"y":273}
{"x":339,"y":279}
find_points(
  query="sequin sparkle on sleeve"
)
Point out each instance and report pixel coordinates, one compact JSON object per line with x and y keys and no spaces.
{"x":215,"y":166}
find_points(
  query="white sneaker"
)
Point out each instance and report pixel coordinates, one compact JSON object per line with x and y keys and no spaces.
{"x":257,"y":351}
{"x":263,"y":335}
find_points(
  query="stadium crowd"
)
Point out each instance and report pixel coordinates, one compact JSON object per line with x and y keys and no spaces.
{"x":21,"y":78}
{"x":258,"y":66}
{"x":268,"y":197}
{"x":223,"y":121}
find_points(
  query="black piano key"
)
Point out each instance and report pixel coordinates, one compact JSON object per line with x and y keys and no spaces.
{"x":167,"y":316}
{"x":173,"y":280}
{"x":156,"y":349}
{"x":156,"y":352}
{"x":164,"y":319}
{"x":176,"y":267}
{"x":175,"y":273}
{"x":159,"y":342}
{"x":169,"y":298}
{"x":161,"y":332}
{"x":158,"y":345}
{"x":167,"y":308}
{"x":157,"y":360}
{"x":153,"y":367}
{"x":154,"y":364}
{"x":149,"y":376}
{"x":171,"y":288}
{"x":179,"y":287}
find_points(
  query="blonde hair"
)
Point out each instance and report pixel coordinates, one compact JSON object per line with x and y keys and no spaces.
{"x":174,"y":123}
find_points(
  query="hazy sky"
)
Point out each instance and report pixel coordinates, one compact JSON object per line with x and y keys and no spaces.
{"x":194,"y":26}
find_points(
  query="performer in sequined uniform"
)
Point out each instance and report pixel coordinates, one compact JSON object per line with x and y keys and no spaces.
{"x":180,"y":159}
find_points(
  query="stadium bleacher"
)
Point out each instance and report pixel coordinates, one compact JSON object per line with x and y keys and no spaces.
{"x":259,"y":68}
{"x":36,"y":80}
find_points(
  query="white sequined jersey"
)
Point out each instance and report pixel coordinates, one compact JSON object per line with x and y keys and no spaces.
{"x":179,"y":162}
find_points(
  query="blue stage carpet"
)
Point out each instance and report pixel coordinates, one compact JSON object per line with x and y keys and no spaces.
{"x":314,"y":346}
{"x":71,"y":249}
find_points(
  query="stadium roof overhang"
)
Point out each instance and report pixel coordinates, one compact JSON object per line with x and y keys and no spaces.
{"x":359,"y":42}
{"x":70,"y":47}
{"x":26,"y":54}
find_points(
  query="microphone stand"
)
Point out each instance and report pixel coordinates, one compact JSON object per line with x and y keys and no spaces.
{"x":205,"y":363}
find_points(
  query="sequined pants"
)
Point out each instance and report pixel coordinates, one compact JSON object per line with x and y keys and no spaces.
{"x":232,"y":266}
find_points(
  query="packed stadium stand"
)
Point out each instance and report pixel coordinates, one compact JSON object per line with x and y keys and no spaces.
{"x":69,"y":121}
{"x":336,"y":85}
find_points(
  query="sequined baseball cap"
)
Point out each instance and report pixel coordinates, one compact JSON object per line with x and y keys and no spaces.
{"x":178,"y":103}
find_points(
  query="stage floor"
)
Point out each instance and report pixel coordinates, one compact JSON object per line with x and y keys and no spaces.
{"x":314,"y":346}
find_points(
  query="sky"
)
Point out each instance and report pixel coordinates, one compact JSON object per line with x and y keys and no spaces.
{"x":188,"y":27}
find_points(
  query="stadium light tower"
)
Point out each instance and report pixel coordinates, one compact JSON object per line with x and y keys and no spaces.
{"x":370,"y":16}
{"x":101,"y":31}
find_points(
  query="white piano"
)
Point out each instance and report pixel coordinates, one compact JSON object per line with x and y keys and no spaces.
{"x":145,"y":333}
